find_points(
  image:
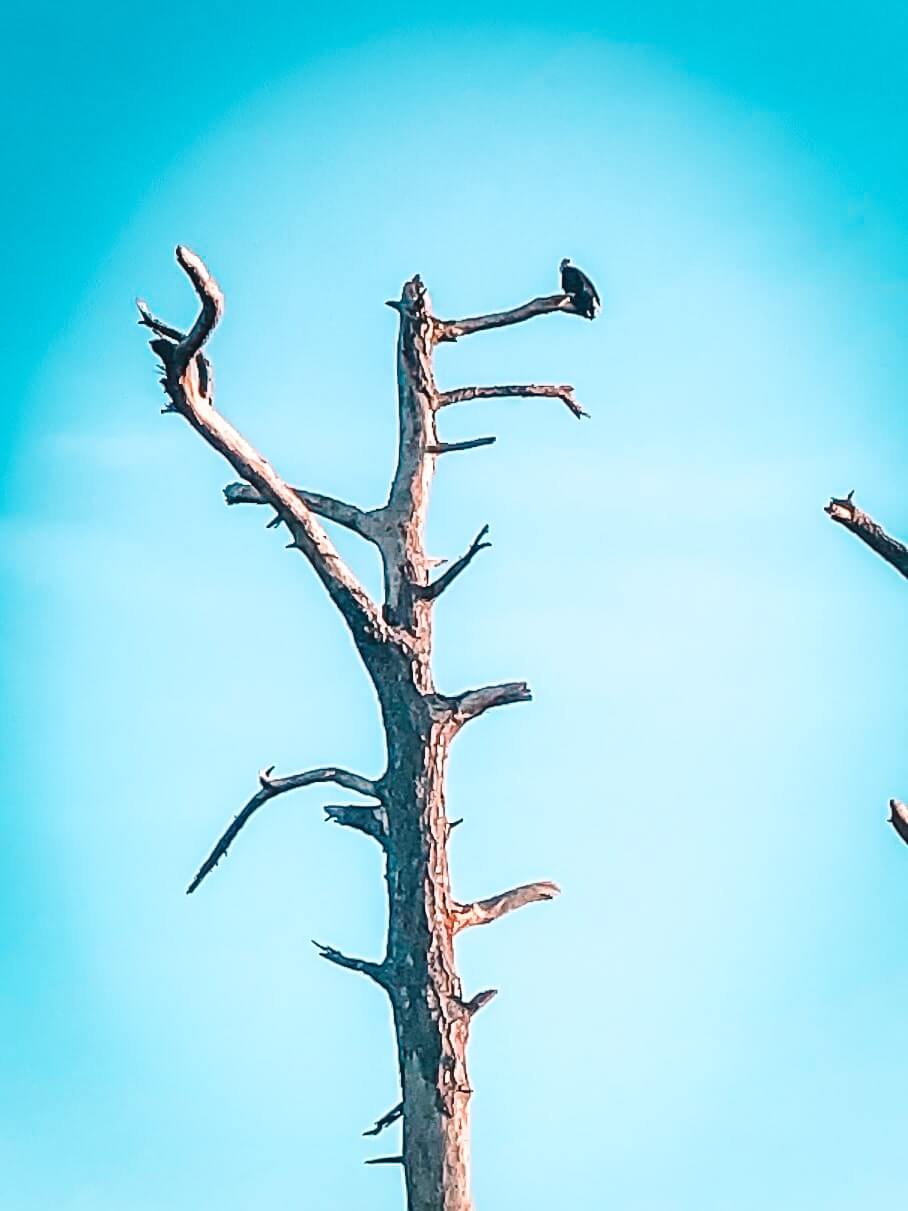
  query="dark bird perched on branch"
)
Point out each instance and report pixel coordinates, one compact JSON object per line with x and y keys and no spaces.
{"x":582,"y":291}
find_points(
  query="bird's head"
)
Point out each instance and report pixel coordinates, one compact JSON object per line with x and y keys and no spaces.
{"x":564,"y":264}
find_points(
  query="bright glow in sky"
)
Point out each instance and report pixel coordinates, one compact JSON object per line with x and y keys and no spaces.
{"x":709,"y":1017}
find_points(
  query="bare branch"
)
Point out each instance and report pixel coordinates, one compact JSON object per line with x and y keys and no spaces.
{"x":452,"y":330}
{"x":898,"y":818}
{"x":369,"y":820}
{"x":350,"y":516}
{"x":431,"y":591}
{"x":473,"y":703}
{"x":476,"y":1003}
{"x":385,"y":1160}
{"x":847,"y":514}
{"x":151,"y":321}
{"x":482,"y":912}
{"x":476,"y":702}
{"x":210,"y":296}
{"x":187,"y":386}
{"x":375,"y":971}
{"x":386,"y":1120}
{"x":270,"y":787}
{"x":449,"y":447}
{"x":562,"y":391}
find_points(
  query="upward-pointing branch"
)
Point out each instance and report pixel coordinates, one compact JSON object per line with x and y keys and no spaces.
{"x":452,"y":330}
{"x":188,"y":386}
{"x":847,"y":514}
{"x":151,"y":321}
{"x":431,"y":591}
{"x":270,"y":787}
{"x":210,"y":296}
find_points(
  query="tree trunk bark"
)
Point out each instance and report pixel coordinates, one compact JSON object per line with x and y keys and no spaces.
{"x":430,"y":1017}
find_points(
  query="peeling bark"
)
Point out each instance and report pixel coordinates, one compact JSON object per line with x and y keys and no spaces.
{"x":407,"y":816}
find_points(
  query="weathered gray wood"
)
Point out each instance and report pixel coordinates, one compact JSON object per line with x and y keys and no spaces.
{"x":418,"y":972}
{"x":452,"y":330}
{"x":898,"y":818}
{"x":483,"y":912}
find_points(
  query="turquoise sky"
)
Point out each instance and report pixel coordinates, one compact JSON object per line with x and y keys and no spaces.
{"x":709,"y":1019}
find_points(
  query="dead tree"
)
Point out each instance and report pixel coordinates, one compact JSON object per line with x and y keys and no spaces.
{"x":844,"y":511}
{"x":404,"y":810}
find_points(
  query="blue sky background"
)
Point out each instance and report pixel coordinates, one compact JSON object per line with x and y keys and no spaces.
{"x":710,"y":1017}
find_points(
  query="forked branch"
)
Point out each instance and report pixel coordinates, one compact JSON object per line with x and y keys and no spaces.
{"x":188,"y":388}
{"x":483,"y":912}
{"x":271,"y":787}
{"x":452,"y":330}
{"x":431,"y":591}
{"x":847,"y":514}
{"x":562,"y":391}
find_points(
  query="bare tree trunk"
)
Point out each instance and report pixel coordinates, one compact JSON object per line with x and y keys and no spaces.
{"x":406,"y":813}
{"x":429,"y":1015}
